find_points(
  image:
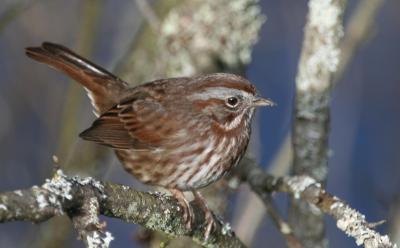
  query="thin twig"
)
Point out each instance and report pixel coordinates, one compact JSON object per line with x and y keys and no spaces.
{"x":149,"y":14}
{"x":358,"y":31}
{"x":253,"y":211}
{"x":280,"y":223}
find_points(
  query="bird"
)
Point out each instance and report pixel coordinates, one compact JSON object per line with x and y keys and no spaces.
{"x":180,"y":133}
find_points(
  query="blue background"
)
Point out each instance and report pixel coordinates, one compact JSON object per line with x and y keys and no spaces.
{"x":364,"y":139}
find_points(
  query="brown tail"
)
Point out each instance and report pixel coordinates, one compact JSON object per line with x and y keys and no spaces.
{"x":104,"y":89}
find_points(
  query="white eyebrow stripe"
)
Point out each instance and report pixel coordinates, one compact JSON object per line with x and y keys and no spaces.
{"x":219,"y":93}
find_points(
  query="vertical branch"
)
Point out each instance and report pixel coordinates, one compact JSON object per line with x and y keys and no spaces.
{"x":359,"y":28}
{"x":318,"y":62}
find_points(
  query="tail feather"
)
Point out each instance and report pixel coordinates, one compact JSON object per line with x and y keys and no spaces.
{"x":103,"y":88}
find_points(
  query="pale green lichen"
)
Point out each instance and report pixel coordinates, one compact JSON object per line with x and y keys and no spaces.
{"x":354,"y":225}
{"x":42,"y":201}
{"x":325,"y":20}
{"x":18,"y":192}
{"x":226,"y":229}
{"x":196,"y":34}
{"x":299,"y":184}
{"x":98,"y":240}
{"x":59,"y":185}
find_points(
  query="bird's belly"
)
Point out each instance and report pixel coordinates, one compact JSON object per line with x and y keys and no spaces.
{"x":188,"y":169}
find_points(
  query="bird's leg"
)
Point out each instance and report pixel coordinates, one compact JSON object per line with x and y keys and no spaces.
{"x":209,"y":216}
{"x":188,"y":214}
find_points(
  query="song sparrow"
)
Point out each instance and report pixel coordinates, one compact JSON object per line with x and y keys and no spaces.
{"x":178,"y":133}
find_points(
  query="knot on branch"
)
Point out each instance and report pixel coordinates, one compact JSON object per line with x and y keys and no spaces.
{"x":80,"y":199}
{"x":66,"y":192}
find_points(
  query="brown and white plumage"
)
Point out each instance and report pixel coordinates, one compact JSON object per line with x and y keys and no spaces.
{"x":179,"y":133}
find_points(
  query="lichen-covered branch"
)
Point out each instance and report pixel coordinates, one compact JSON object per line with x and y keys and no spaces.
{"x":83,"y":199}
{"x":349,"y":220}
{"x":188,"y":42}
{"x":359,"y":29}
{"x":86,"y":221}
{"x":76,"y":197}
{"x":319,"y":61}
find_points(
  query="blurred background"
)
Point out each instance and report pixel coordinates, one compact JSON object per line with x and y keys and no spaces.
{"x":42,"y":111}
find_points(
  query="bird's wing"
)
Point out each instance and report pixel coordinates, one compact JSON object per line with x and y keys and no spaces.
{"x":137,"y":122}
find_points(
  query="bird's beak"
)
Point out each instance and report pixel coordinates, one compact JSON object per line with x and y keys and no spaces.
{"x":258,"y":102}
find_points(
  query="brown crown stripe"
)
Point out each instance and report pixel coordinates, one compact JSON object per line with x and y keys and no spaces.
{"x":239,"y":85}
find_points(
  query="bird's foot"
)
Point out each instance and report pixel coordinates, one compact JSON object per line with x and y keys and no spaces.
{"x":188,"y":215}
{"x":209,"y":219}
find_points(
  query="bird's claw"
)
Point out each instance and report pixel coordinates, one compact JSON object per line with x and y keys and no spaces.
{"x":210,"y":224}
{"x":188,"y":215}
{"x":209,"y":220}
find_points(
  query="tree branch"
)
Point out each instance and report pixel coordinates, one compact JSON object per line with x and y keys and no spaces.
{"x":84,"y":198}
{"x":318,"y":62}
{"x":309,"y":190}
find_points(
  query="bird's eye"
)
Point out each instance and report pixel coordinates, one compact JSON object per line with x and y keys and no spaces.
{"x":232,"y":101}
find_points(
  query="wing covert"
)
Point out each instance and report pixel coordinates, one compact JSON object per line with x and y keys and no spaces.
{"x":137,"y":122}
